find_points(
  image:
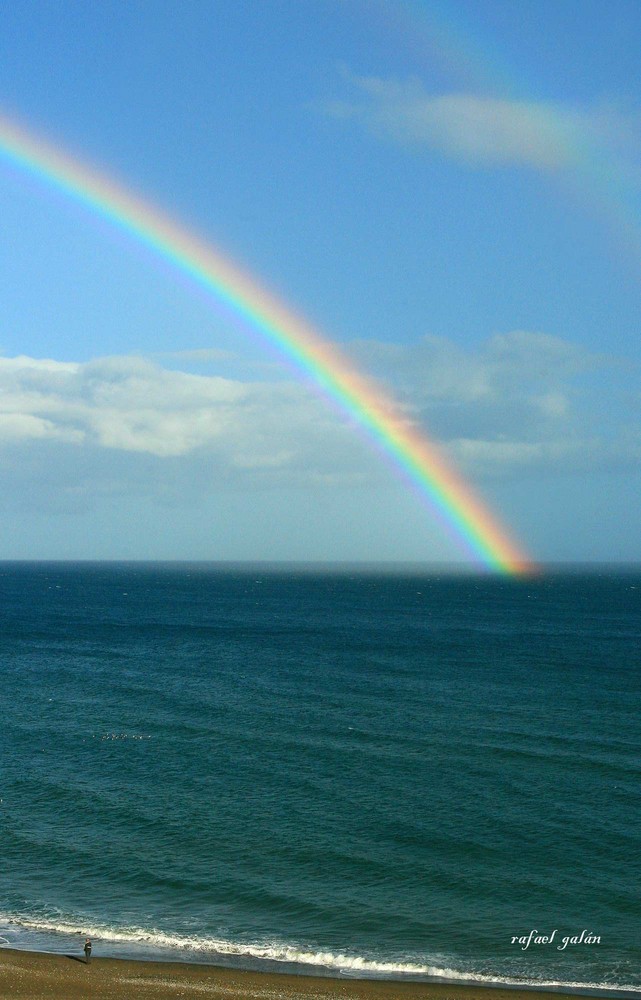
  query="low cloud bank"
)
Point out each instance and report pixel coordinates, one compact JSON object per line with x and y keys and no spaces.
{"x":521,"y":404}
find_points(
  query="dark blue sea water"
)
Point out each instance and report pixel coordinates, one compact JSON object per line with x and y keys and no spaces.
{"x":354,"y":773}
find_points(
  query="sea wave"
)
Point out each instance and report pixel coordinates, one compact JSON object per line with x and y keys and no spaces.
{"x":167,"y":946}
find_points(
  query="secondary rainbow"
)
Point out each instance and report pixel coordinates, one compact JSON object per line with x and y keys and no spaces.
{"x":417,"y":459}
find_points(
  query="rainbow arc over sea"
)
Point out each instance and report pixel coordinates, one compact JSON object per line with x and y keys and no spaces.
{"x":417,"y":459}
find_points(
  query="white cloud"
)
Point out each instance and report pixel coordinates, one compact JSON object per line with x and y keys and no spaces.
{"x":130,"y":405}
{"x":22,"y":426}
{"x":521,"y":403}
{"x":134,"y":405}
{"x":487,"y":131}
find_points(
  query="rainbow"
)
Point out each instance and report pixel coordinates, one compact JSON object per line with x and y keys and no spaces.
{"x":417,"y":459}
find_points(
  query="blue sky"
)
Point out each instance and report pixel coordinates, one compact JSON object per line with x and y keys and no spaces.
{"x":449,"y":191}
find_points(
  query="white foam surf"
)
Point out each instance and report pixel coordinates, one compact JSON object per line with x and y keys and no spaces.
{"x":153,"y":940}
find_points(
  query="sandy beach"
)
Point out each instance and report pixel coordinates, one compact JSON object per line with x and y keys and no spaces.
{"x":35,"y":976}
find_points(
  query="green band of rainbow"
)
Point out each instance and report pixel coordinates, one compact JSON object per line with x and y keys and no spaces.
{"x":414,"y":456}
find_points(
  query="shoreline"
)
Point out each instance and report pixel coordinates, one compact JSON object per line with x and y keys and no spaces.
{"x":32,"y":975}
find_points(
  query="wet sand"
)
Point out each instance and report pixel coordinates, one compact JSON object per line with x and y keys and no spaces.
{"x":35,"y":976}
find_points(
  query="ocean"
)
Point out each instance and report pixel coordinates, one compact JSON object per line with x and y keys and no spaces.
{"x":340,"y":771}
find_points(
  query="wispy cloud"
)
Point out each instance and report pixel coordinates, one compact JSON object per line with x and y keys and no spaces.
{"x":485,"y":131}
{"x":520,"y":403}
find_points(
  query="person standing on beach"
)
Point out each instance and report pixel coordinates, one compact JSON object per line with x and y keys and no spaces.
{"x":87,"y":951}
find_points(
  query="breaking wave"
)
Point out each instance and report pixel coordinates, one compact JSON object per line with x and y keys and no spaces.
{"x":160,"y":945}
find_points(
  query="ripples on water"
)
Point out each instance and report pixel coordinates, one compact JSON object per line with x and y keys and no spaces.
{"x":369,"y":773}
